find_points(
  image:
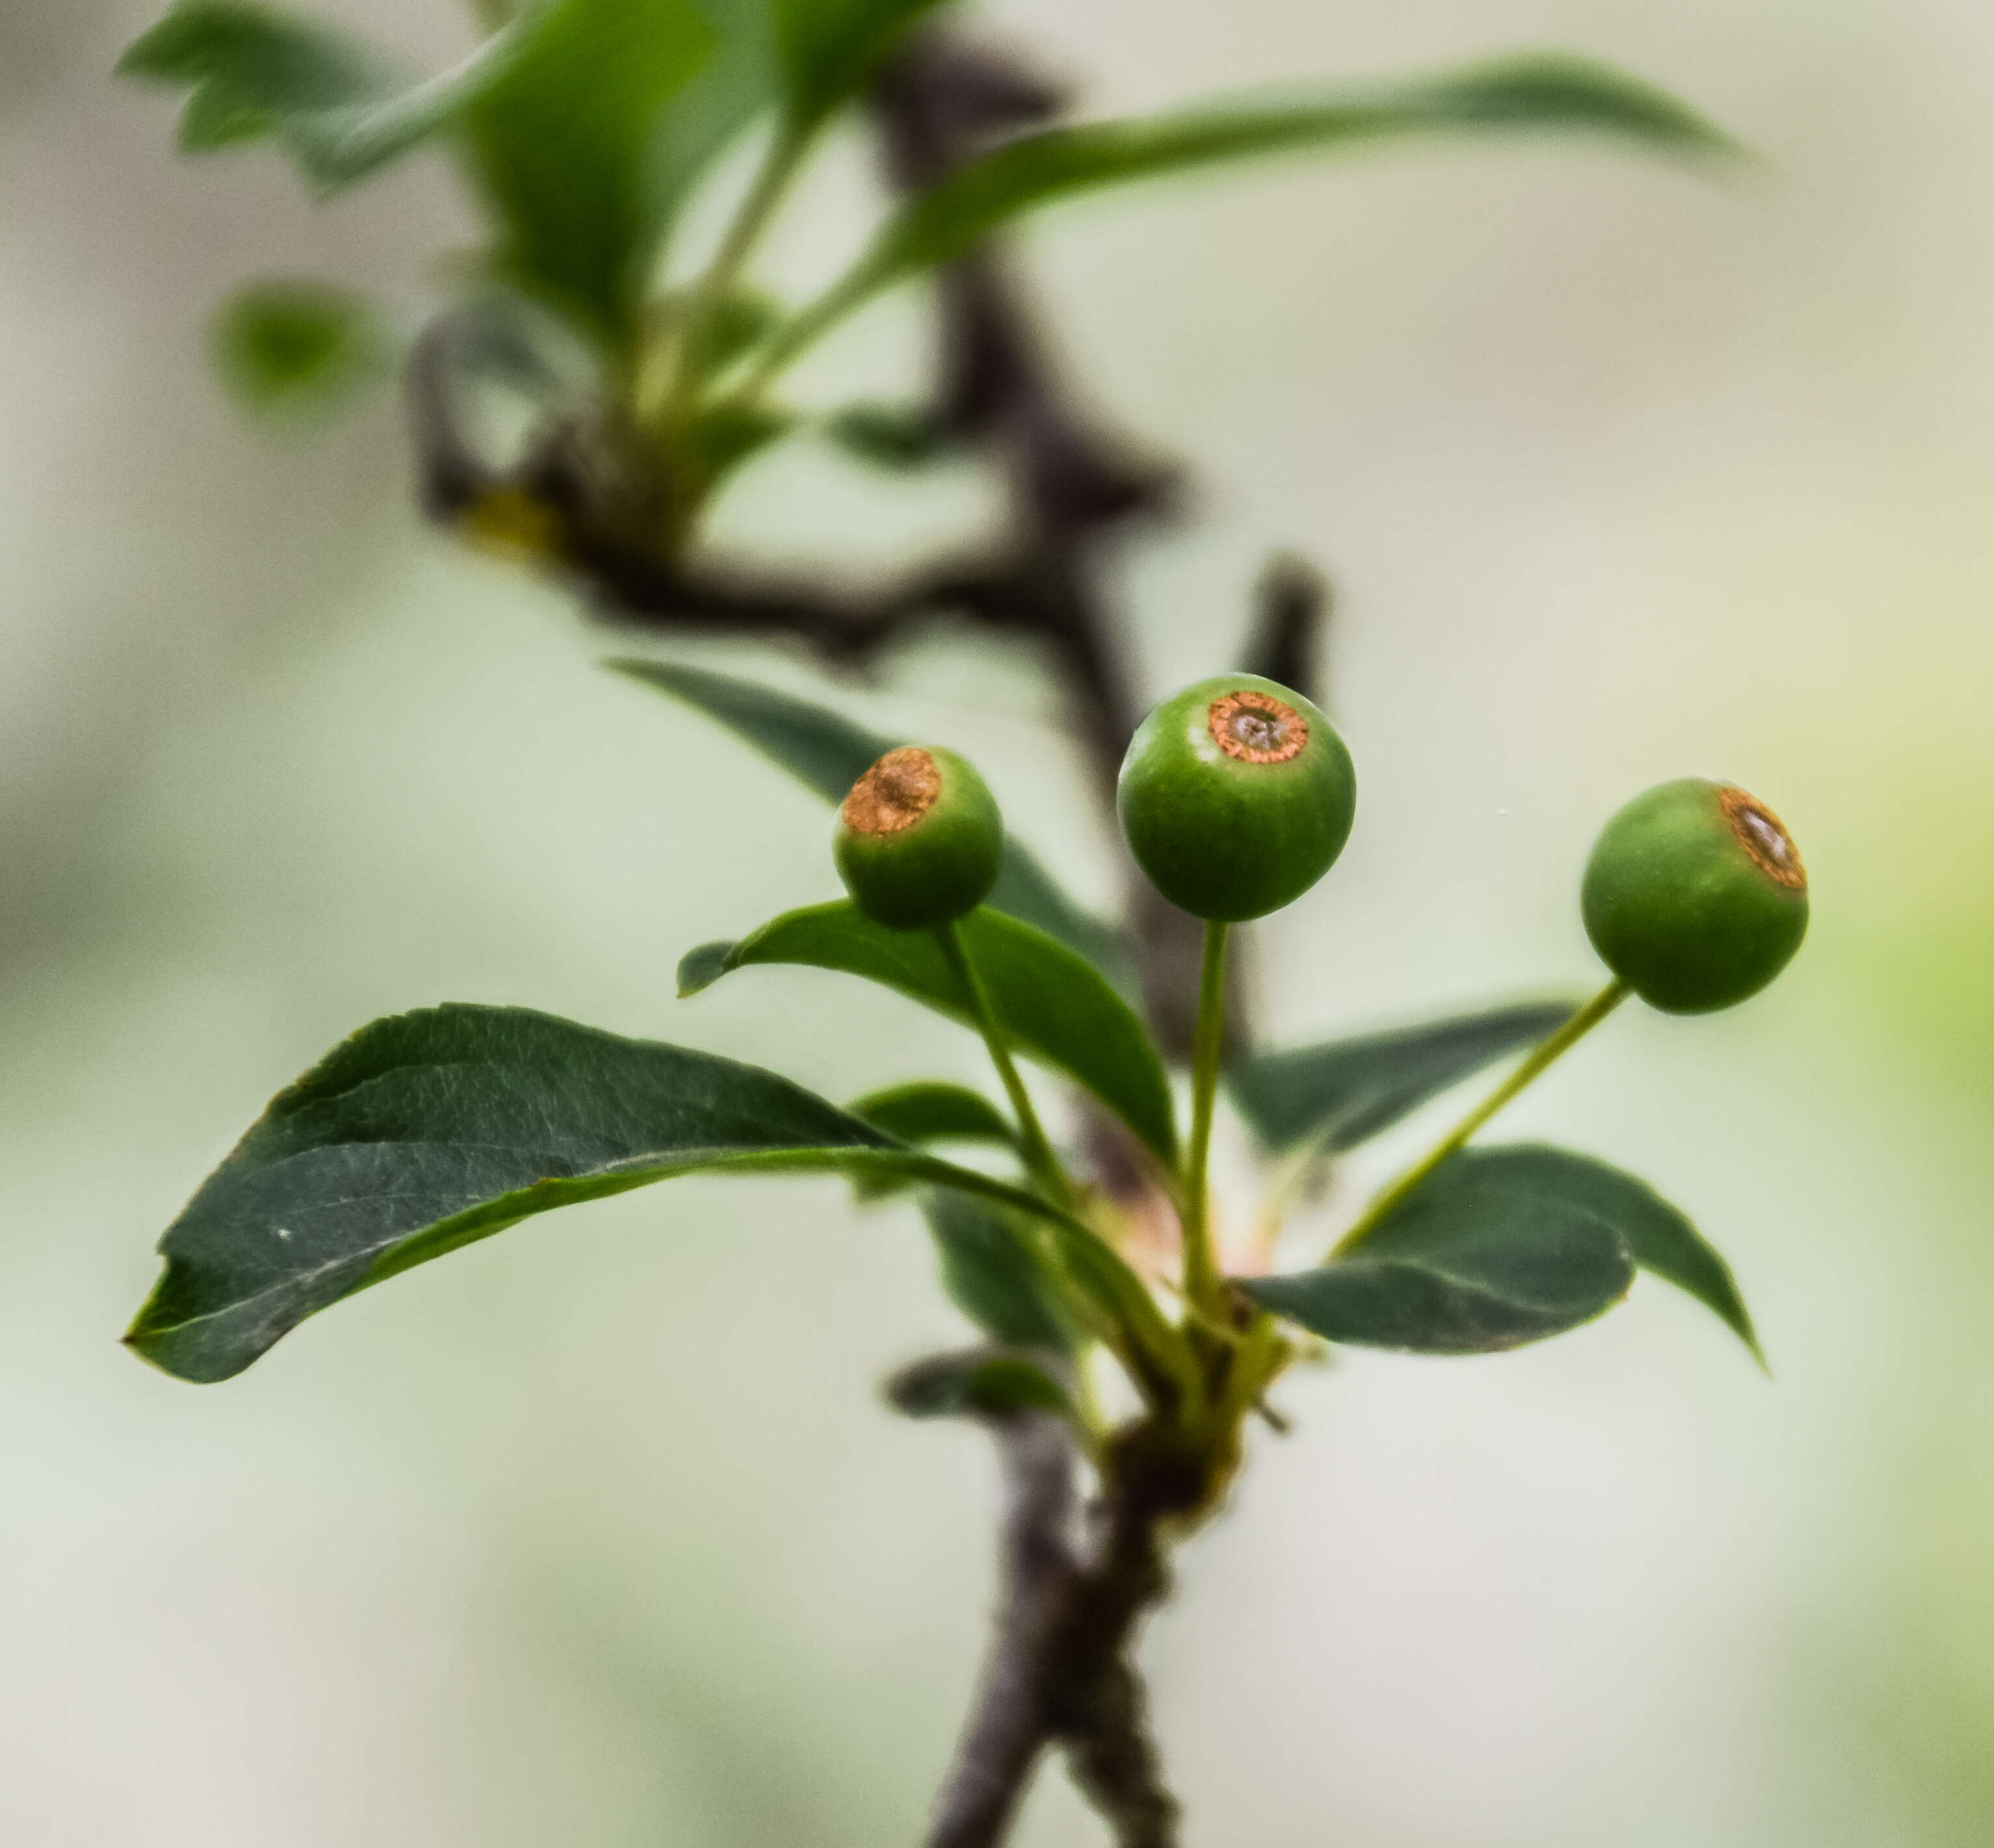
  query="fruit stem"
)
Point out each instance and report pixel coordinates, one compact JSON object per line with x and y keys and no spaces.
{"x":1200,"y":1262}
{"x":1545,"y":1054}
{"x":1038,"y":1152}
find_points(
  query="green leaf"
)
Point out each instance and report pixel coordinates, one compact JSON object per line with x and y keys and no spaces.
{"x":564,"y":145}
{"x":828,"y":752}
{"x":1344,"y":1092}
{"x":741,"y":79}
{"x":1667,"y":1246}
{"x":1499,"y":1247}
{"x":1540,"y":92}
{"x":898,"y":437}
{"x":977,"y":1384}
{"x":427,"y":1131}
{"x":337,"y":107}
{"x":830,"y":48}
{"x":285,"y":346}
{"x":996,"y":1274}
{"x":929,"y":1111}
{"x":1050,"y":1003}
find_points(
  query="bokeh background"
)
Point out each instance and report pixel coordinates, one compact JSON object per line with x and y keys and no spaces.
{"x":599,"y":1533}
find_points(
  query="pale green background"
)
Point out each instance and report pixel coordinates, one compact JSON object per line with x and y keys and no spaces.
{"x":597,"y":1533}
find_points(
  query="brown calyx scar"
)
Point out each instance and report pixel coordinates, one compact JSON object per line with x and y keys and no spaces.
{"x":1763,"y":835}
{"x":894,"y":793}
{"x":1256,"y":728}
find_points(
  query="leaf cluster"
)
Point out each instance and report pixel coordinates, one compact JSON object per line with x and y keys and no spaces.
{"x":426,"y":1132}
{"x":587,"y":127}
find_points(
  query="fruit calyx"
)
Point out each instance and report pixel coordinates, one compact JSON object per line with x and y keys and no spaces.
{"x":1763,"y":835}
{"x":1256,"y":728}
{"x":894,"y":793}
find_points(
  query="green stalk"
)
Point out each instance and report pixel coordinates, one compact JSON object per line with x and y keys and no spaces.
{"x":751,"y":219}
{"x":1546,"y":1054}
{"x":809,"y":325}
{"x":1038,"y":1152}
{"x":1200,"y":1261}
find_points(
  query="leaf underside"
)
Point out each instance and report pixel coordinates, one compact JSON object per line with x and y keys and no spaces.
{"x":1344,"y":1091}
{"x":827,"y":753}
{"x":427,"y":1131}
{"x":1499,"y":1247}
{"x":1048,"y":1002}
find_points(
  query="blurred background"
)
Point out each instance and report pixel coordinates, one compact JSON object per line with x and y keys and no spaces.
{"x":599,"y":1533}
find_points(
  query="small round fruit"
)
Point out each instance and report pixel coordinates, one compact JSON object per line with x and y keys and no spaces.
{"x":919,"y":839}
{"x":1236,"y":796}
{"x":1695,"y":896}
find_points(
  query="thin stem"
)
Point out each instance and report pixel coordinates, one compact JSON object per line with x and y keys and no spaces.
{"x":1200,"y":1261}
{"x":1038,"y":1152}
{"x":805,"y":328}
{"x":1546,"y":1053}
{"x":751,"y":219}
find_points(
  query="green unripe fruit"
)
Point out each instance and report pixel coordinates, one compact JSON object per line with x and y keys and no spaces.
{"x":1236,"y":796}
{"x":1695,"y":896}
{"x":919,"y":839}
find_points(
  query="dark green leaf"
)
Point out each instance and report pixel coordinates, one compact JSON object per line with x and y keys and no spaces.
{"x":340,"y":109}
{"x":929,"y":1111}
{"x":1501,"y":1246}
{"x":1496,"y":1248}
{"x":282,"y":346}
{"x":976,"y":1384}
{"x":427,"y":1131}
{"x":926,"y":1112}
{"x":824,"y":750}
{"x":830,"y":48}
{"x":896,"y":437}
{"x":1048,"y":1002}
{"x":996,"y":1273}
{"x":828,"y":752}
{"x":564,"y":145}
{"x":1667,"y":1245}
{"x":1532,"y":93}
{"x":1344,"y":1092}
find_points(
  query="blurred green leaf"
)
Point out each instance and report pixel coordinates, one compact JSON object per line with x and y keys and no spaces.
{"x":1048,"y":1002}
{"x":718,"y":439}
{"x":995,"y":1273}
{"x":739,"y":323}
{"x":338,"y":107}
{"x":930,"y":1111}
{"x":976,"y":1384}
{"x":1344,"y":1092}
{"x":1667,"y":1246}
{"x":1496,"y":1248}
{"x":830,"y":48}
{"x":828,"y":752}
{"x":741,"y":79}
{"x":294,"y":346}
{"x":427,"y":1131}
{"x":1543,"y":92}
{"x":896,"y":437}
{"x":564,"y":145}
